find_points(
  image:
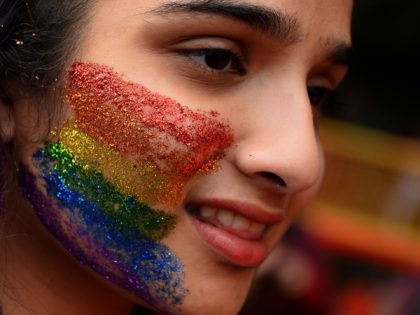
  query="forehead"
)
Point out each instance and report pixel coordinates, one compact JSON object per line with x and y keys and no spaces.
{"x":319,"y":29}
{"x":329,"y":18}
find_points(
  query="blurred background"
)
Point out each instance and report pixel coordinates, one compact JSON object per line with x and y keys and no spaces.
{"x":356,"y":249}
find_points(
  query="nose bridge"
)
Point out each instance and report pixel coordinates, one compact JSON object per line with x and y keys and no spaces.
{"x":281,"y":138}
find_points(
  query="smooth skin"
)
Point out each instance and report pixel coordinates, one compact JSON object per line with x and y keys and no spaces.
{"x":269,"y":91}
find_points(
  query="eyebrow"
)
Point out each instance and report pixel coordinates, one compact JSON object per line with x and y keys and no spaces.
{"x":276,"y":24}
{"x":340,"y":52}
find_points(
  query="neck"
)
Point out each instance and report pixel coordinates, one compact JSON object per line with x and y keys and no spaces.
{"x":39,"y":277}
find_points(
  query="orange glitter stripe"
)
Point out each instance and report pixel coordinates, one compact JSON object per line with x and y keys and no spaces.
{"x":141,"y":180}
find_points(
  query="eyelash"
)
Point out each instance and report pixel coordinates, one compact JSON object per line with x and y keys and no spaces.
{"x":237,"y":61}
{"x":317,"y":94}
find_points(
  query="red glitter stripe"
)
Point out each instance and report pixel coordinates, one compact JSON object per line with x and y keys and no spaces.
{"x":143,"y":125}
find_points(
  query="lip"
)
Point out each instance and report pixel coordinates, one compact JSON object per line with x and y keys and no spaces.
{"x":238,"y":250}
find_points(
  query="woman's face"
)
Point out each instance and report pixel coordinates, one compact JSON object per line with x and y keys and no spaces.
{"x":189,"y":142}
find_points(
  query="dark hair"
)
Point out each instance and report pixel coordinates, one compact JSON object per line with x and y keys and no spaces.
{"x":37,"y":39}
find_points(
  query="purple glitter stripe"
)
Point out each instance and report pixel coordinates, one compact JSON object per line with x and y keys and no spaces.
{"x":52,"y":221}
{"x":153,"y":262}
{"x":61,"y":170}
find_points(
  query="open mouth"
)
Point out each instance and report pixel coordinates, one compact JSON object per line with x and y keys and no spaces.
{"x":231,"y":232}
{"x":229,"y":221}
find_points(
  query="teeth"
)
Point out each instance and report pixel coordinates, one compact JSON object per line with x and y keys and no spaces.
{"x":207,"y":212}
{"x":240,"y":223}
{"x":256,"y":227}
{"x":226,"y":217}
{"x":235,"y":221}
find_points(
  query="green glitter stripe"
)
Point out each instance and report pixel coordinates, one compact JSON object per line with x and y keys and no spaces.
{"x":125,"y":210}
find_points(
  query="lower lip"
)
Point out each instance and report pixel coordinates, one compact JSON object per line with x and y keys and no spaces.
{"x":242,"y":252}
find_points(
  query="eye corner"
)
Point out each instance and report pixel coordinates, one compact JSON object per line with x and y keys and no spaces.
{"x":319,"y":95}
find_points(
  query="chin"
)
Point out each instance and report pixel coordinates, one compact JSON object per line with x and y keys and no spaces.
{"x":217,"y":295}
{"x":215,"y":284}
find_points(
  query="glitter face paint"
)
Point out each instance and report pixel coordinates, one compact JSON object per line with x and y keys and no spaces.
{"x":105,"y":173}
{"x":142,"y":181}
{"x":130,"y":119}
{"x":124,"y":209}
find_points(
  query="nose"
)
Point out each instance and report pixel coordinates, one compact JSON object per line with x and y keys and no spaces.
{"x":278,"y":144}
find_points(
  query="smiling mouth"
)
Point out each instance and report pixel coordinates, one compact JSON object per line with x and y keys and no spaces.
{"x":234,"y":230}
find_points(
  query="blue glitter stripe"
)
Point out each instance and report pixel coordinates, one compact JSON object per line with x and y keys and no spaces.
{"x":49,"y":215}
{"x":91,"y":184}
{"x":158,"y":273}
{"x":153,"y":262}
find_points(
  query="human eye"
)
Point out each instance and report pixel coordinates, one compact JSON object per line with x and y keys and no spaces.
{"x":318,"y":95}
{"x":321,"y":85}
{"x":319,"y":89}
{"x":211,"y":61}
{"x":216,"y":60}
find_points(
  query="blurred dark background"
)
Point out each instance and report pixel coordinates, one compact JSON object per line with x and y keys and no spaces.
{"x":383,"y":86}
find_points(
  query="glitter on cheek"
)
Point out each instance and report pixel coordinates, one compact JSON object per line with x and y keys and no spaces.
{"x":143,"y":181}
{"x":127,"y":148}
{"x":125,"y":210}
{"x":145,"y":126}
{"x":123,"y":254}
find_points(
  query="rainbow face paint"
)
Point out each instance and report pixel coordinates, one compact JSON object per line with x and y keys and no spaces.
{"x":127,"y":152}
{"x":146,"y":128}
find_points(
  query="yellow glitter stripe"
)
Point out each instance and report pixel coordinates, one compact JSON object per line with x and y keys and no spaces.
{"x":142,"y":181}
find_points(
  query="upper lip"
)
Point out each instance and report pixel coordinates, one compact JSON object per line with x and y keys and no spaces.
{"x":248,"y":210}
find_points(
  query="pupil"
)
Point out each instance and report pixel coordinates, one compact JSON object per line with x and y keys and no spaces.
{"x":218,"y":59}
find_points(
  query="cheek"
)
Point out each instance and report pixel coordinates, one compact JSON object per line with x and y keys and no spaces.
{"x":101,"y":181}
{"x":161,"y":141}
{"x":127,"y":256}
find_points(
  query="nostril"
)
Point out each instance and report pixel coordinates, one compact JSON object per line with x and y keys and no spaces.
{"x":273,"y":178}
